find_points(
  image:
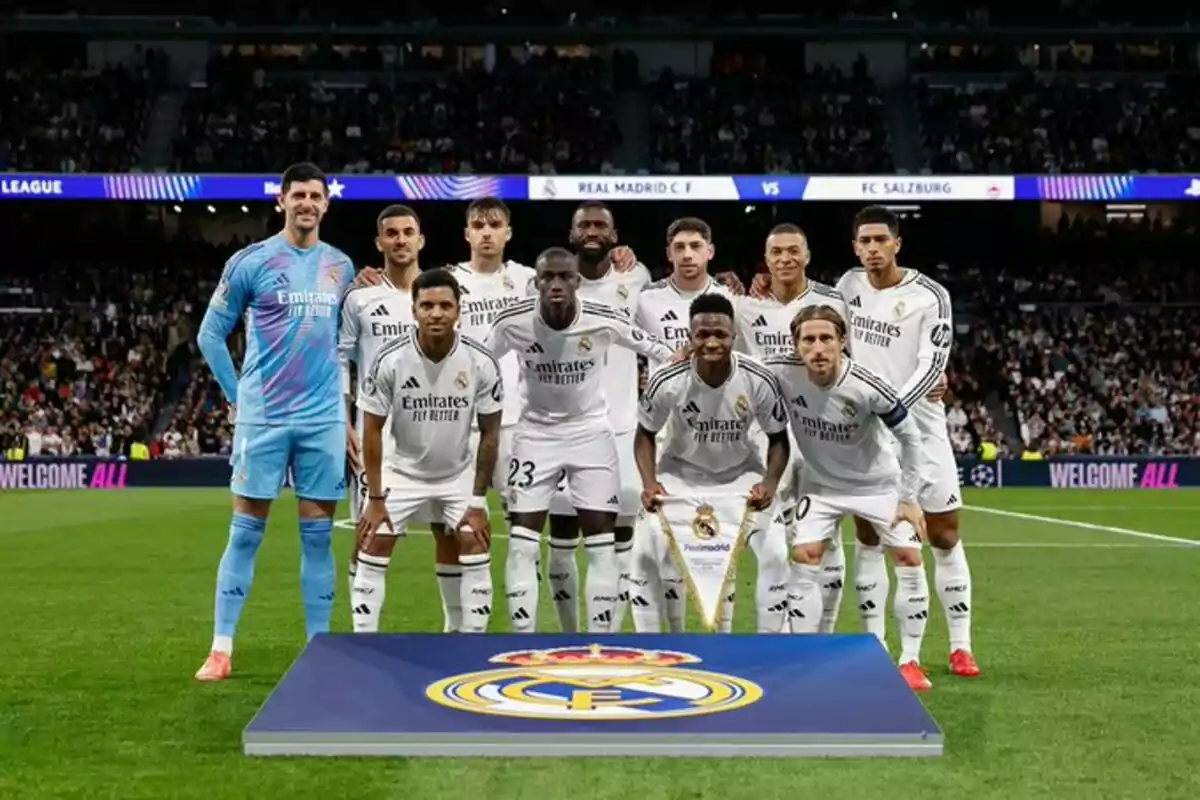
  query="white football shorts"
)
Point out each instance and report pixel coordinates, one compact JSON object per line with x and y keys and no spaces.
{"x":542,"y":456}
{"x":629,"y":494}
{"x":819,"y":514}
{"x":443,"y":501}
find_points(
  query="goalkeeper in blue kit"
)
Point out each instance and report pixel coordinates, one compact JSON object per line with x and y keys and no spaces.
{"x":288,"y":401}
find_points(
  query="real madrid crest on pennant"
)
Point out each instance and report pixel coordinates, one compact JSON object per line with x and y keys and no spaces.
{"x":705,"y":525}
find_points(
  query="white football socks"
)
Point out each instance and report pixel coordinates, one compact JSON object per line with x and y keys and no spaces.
{"x":449,"y":581}
{"x":367,"y":591}
{"x":521,"y":578}
{"x":911,"y":608}
{"x":564,"y":582}
{"x":833,"y":577}
{"x":475,"y":599}
{"x":871,"y":583}
{"x":600,"y":585}
{"x":804,"y":598}
{"x":953,"y":578}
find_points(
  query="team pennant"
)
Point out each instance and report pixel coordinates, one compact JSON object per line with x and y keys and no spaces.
{"x":705,"y":536}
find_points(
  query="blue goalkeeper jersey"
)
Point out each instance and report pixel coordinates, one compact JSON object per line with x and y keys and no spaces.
{"x":290,"y":298}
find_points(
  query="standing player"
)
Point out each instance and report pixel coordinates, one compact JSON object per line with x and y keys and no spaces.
{"x":593,"y":237}
{"x":764,"y":330}
{"x":489,"y":285}
{"x":840,"y":413}
{"x":288,"y":402}
{"x":664,"y":310}
{"x":903,"y":330}
{"x":562,"y":343}
{"x":712,"y":402}
{"x":372,"y":316}
{"x":426,"y":388}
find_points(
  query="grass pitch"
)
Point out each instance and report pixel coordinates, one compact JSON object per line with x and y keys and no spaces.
{"x":1087,"y":637}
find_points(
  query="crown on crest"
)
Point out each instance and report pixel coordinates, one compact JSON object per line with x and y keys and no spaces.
{"x":594,"y":654}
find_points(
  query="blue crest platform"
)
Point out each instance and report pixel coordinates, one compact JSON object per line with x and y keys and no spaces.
{"x":592,"y":695}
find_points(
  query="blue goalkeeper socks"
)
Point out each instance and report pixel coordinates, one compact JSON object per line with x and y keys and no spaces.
{"x":235,"y":576}
{"x":317,"y":574}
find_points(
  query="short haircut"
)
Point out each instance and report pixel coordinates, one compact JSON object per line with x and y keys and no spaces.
{"x":590,"y":204}
{"x":396,"y":210}
{"x":303,"y":172}
{"x":876,"y":215}
{"x":486,"y":206}
{"x":554,"y":252}
{"x":711,"y":303}
{"x":436,"y":278}
{"x":825,"y":313}
{"x":788,"y":227}
{"x":689,"y":225}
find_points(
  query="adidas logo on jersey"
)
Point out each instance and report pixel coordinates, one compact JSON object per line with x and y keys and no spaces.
{"x":282,"y":281}
{"x":761,"y":322}
{"x":691,"y":408}
{"x":411,"y":383}
{"x":856,"y":302}
{"x":535,"y":348}
{"x":381,"y":312}
{"x":800,"y":401}
{"x":670,"y":316}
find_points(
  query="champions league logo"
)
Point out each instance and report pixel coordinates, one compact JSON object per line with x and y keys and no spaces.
{"x":594,"y":683}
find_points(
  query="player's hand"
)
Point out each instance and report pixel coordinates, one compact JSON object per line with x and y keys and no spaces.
{"x":939,"y":391}
{"x":761,"y":496}
{"x":475,"y":527}
{"x":730,"y":281}
{"x":652,"y":496}
{"x":369,"y":521}
{"x":912,"y":514}
{"x":760,"y":287}
{"x":682,"y":354}
{"x":622,"y":258}
{"x":353,"y":451}
{"x":368,"y":276}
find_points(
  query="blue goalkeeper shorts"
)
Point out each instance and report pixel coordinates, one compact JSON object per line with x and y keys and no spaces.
{"x":315,"y":455}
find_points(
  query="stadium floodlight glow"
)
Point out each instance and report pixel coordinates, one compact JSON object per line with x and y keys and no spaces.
{"x":876,"y":189}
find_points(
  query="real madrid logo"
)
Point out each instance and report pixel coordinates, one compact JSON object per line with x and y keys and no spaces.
{"x":898,"y":311}
{"x":705,"y":525}
{"x":507,"y":283}
{"x":741,"y":405}
{"x":334,"y":274}
{"x":849,"y":410}
{"x":594,"y":683}
{"x":585,"y":343}
{"x":623,"y":292}
{"x":461,"y":380}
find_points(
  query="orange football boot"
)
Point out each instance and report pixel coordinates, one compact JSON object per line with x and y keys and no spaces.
{"x":915,"y":677}
{"x":216,"y":667}
{"x":962,"y":664}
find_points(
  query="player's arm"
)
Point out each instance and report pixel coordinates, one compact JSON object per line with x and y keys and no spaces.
{"x":226,"y":306}
{"x":489,"y":407}
{"x":933,"y":349}
{"x":634,"y":338}
{"x":654,"y":408}
{"x":498,"y":341}
{"x":375,"y":398}
{"x":771,"y":411}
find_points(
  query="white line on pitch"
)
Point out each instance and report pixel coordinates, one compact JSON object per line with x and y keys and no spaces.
{"x":345,"y":524}
{"x":1089,"y":526}
{"x":1145,"y":508}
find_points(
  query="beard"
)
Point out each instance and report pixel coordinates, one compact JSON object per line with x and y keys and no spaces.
{"x":593,"y":256}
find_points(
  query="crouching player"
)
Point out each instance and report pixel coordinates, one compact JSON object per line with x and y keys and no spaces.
{"x":840,"y":413}
{"x":431,"y":382}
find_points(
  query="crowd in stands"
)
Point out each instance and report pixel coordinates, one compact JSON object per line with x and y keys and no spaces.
{"x":77,"y":119}
{"x":747,"y":119}
{"x":533,"y":113}
{"x":1040,"y":126}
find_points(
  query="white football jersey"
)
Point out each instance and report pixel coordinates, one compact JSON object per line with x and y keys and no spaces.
{"x":621,"y":291}
{"x":562,"y":370}
{"x":663,"y":310}
{"x":764,"y":326}
{"x":484,"y":296}
{"x":371,"y":317}
{"x":903,"y":334}
{"x":709,"y":429}
{"x":431,"y":404}
{"x":842,"y":430}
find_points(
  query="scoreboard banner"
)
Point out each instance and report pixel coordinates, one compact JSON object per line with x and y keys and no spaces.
{"x":1078,"y":472}
{"x":196,"y":187}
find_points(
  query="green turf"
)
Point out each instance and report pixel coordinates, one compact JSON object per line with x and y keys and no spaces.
{"x":1090,"y":654}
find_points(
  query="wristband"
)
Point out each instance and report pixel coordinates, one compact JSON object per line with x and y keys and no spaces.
{"x":478,"y":502}
{"x":378,"y":496}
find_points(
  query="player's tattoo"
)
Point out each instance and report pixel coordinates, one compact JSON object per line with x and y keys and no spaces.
{"x":778,"y":451}
{"x":489,"y":450}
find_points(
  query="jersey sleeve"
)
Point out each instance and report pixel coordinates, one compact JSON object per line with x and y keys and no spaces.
{"x":349,"y":330}
{"x":769,"y":406}
{"x":489,"y":386}
{"x":226,"y":306}
{"x":654,"y":407}
{"x":378,"y":387}
{"x":629,"y":336}
{"x":933,"y":346}
{"x":882,"y":399}
{"x":499,"y":340}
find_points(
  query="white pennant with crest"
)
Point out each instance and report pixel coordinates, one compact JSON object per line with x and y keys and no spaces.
{"x":705,"y":536}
